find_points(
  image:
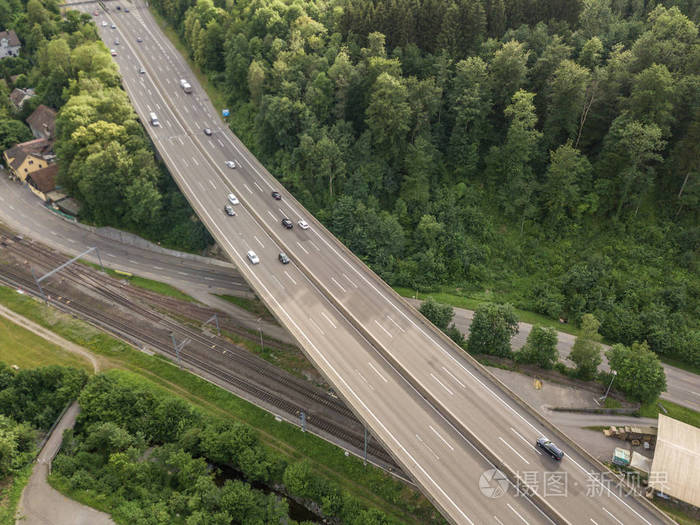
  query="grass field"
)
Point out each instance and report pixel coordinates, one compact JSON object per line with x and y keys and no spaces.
{"x":10,"y":492}
{"x":681,"y":413}
{"x":147,"y":284}
{"x":19,"y":346}
{"x":370,"y":485}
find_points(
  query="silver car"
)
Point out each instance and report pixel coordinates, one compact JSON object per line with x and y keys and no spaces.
{"x":231,"y":164}
{"x":252,"y":257}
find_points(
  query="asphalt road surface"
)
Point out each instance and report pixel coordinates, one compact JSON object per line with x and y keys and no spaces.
{"x":433,"y":409}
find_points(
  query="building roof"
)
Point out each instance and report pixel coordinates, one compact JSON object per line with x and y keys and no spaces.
{"x":676,"y":467}
{"x":44,"y":179}
{"x":43,"y":120}
{"x":12,"y":38}
{"x":19,"y":152}
{"x":18,"y":96}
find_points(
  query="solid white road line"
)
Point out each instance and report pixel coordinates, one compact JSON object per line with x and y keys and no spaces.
{"x":251,"y":191}
{"x":395,"y":323}
{"x":612,"y":516}
{"x":426,"y":446}
{"x":270,"y":214}
{"x":195,"y":161}
{"x":257,"y":186}
{"x":515,"y":451}
{"x":333,"y":279}
{"x":305,"y":251}
{"x":256,"y":238}
{"x":328,"y":319}
{"x":441,"y":438}
{"x":317,"y":327}
{"x":212,"y":183}
{"x":377,"y":371}
{"x":290,"y":277}
{"x":517,"y":514}
{"x":526,"y":441}
{"x":442,"y":384}
{"x":350,"y":280}
{"x":380,"y":326}
{"x":454,"y":377}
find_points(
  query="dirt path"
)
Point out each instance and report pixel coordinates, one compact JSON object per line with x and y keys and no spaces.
{"x":51,"y":336}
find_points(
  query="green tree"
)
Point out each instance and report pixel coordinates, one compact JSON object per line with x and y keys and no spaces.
{"x":13,"y":132}
{"x":640,"y":374}
{"x":565,"y":101}
{"x":540,"y":348}
{"x":439,"y":314}
{"x":586,"y":350}
{"x":491,"y":330}
{"x":388,"y":113}
{"x":563,"y":191}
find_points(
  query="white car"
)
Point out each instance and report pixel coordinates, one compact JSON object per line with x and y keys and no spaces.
{"x":231,"y":164}
{"x":252,"y":257}
{"x":104,"y":23}
{"x":303,"y":224}
{"x":233,"y":199}
{"x":113,"y":52}
{"x":114,"y":26}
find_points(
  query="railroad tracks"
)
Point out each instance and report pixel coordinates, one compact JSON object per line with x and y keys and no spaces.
{"x":244,"y":372}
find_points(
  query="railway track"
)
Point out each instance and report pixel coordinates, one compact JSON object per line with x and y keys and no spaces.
{"x":215,"y":356}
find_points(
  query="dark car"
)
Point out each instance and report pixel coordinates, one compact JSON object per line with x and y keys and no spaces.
{"x":276,"y":195}
{"x":283,"y":258}
{"x":229,"y":210}
{"x":119,"y":8}
{"x":287,"y":223}
{"x":126,"y":9}
{"x":207,"y":132}
{"x":550,"y":448}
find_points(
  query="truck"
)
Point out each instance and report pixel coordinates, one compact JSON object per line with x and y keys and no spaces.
{"x":187,"y":88}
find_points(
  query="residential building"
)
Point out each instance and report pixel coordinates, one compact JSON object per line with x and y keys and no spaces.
{"x":19,"y":96}
{"x":9,"y":44}
{"x":28,"y":157}
{"x":43,"y":122}
{"x":43,"y":182}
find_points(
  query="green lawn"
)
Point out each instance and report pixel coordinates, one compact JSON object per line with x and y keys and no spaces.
{"x":10,"y":492}
{"x":681,"y":413}
{"x":147,"y":284}
{"x":254,"y":306}
{"x":472,"y":301}
{"x":19,"y":346}
{"x":370,"y":485}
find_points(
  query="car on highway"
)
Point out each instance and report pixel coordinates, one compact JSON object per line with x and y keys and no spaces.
{"x":96,"y":13}
{"x":113,"y":26}
{"x":231,"y":164}
{"x":283,"y":258}
{"x":229,"y":210}
{"x":233,"y":199}
{"x":119,"y":8}
{"x":116,"y":42}
{"x":139,"y":39}
{"x":276,"y":195}
{"x":126,"y":9}
{"x":113,"y":52}
{"x":142,"y":70}
{"x":207,"y":132}
{"x":550,"y":448}
{"x":252,"y":257}
{"x":104,"y":23}
{"x":287,"y":223}
{"x":303,"y":224}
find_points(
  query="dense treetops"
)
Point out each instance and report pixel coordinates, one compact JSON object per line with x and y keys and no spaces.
{"x":150,"y":458}
{"x":547,"y":148}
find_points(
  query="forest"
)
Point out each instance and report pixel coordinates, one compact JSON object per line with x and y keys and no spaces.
{"x":537,"y":152}
{"x":30,"y":402}
{"x":150,"y":458}
{"x":545,"y":152}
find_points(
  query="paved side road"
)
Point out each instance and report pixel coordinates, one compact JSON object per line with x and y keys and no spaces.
{"x":40,"y":503}
{"x":682,"y":387}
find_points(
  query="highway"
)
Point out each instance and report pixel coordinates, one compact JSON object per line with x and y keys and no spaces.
{"x":437,"y":411}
